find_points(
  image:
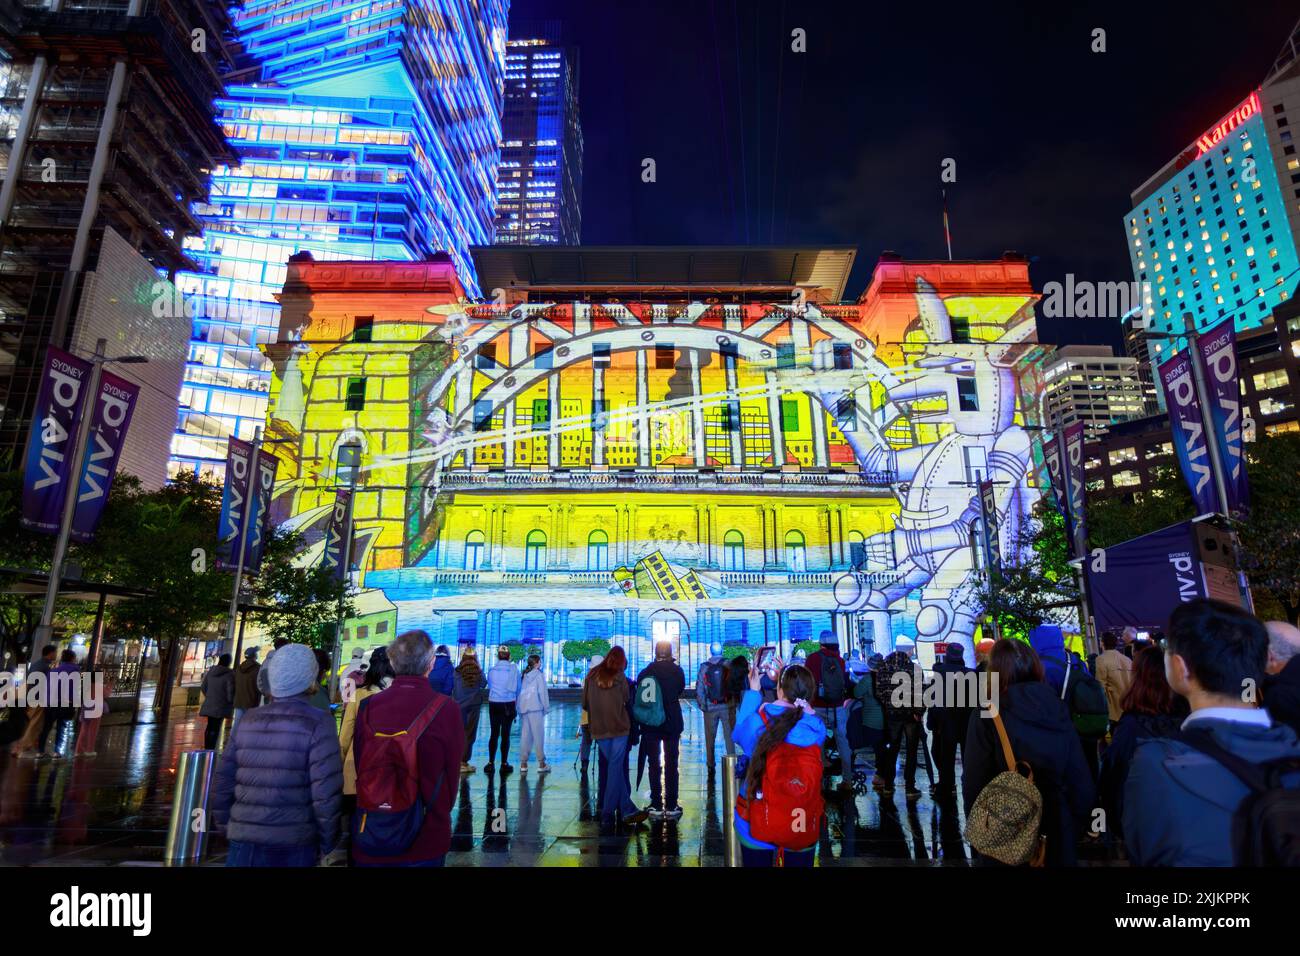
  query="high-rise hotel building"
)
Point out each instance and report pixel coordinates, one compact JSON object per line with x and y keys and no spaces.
{"x":539,"y":197}
{"x":368,"y":129}
{"x":1214,"y":232}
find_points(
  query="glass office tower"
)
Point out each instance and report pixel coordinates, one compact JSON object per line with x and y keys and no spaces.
{"x":367,"y":130}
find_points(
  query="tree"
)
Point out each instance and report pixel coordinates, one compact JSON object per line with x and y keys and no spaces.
{"x":297,"y":604}
{"x":1035,"y":583}
{"x":1166,"y":502}
{"x":1269,"y":535}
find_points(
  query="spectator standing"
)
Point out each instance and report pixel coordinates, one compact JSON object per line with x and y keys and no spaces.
{"x":534,"y":703}
{"x":949,"y":719}
{"x":1115,"y":672}
{"x":662,"y":742}
{"x":60,"y":705}
{"x":900,"y":693}
{"x":411,"y":704}
{"x":29,"y":744}
{"x":247,"y":696}
{"x":715,"y":703}
{"x":584,"y":720}
{"x":280,"y":781}
{"x":443,"y":676}
{"x":605,"y":695}
{"x":503,"y":682}
{"x":828,"y":670}
{"x":378,"y":675}
{"x":873,"y":717}
{"x":218,"y":687}
{"x":469,"y":688}
{"x":1282,"y":685}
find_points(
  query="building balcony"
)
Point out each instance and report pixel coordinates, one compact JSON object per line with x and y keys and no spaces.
{"x":782,"y":481}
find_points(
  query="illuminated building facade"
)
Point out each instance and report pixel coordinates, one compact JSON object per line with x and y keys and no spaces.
{"x":1214,"y":232}
{"x":368,"y":129}
{"x":539,"y":198}
{"x":695,"y":444}
{"x":1090,"y":384}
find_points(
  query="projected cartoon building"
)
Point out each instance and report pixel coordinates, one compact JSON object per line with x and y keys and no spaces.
{"x":697,"y":444}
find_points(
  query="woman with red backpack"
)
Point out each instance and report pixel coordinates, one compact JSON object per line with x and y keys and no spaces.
{"x":779,"y":805}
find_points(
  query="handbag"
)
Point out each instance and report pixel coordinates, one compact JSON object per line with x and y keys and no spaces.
{"x":1005,"y":821}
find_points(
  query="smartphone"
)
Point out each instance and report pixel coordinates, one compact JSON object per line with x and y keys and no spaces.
{"x":765,"y":655}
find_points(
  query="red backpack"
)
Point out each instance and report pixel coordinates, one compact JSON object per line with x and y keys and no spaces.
{"x":788,"y":808}
{"x":389,"y":812}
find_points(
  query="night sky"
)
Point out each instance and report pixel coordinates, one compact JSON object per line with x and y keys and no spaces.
{"x":756,"y":144}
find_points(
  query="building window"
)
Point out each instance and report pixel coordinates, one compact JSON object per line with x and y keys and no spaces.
{"x":789,"y":415}
{"x":967,"y":396}
{"x":600,"y":355}
{"x":482,"y":414}
{"x":535,"y":551}
{"x":355,"y":400}
{"x":363,"y":327}
{"x":598,"y":551}
{"x":843,"y":355}
{"x":665,"y":356}
{"x":1275,"y":378}
{"x":541,"y":414}
{"x":486,"y":356}
{"x":1125,"y":479}
{"x":960,"y":328}
{"x":474,"y":543}
{"x":733,"y":551}
{"x":785,"y":353}
{"x":1159,"y":451}
{"x":846,"y":414}
{"x":1119,"y":456}
{"x":599,"y":414}
{"x":796,"y":556}
{"x":347,"y":464}
{"x":857,"y":550}
{"x":542,"y":357}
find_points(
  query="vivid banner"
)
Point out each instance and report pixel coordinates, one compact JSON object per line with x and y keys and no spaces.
{"x":53,"y":438}
{"x":259,"y":501}
{"x":1142,"y":580}
{"x":1218,"y":354}
{"x":1176,"y":377}
{"x":989,"y":521}
{"x":1072,"y":466}
{"x":234,"y":501}
{"x":335,"y":532}
{"x":109,"y":420}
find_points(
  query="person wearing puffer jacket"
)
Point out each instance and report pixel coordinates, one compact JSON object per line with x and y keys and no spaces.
{"x":534,"y":701}
{"x":280,"y":782}
{"x":760,"y":727}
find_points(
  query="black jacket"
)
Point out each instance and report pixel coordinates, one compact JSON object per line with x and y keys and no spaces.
{"x":1130,"y":730}
{"x":1038,"y":724}
{"x":1282,"y":695}
{"x":955,"y":700}
{"x":672,"y":684}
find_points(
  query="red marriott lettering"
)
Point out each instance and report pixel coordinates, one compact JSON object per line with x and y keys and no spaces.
{"x":1212,"y":137}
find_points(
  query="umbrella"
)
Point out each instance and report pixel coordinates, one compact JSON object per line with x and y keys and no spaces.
{"x":642,"y":755}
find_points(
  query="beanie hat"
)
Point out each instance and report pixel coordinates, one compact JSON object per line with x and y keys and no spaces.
{"x":292,"y":670}
{"x":954,"y":652}
{"x":250,"y":652}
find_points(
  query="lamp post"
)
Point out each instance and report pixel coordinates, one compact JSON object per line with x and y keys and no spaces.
{"x":45,"y":628}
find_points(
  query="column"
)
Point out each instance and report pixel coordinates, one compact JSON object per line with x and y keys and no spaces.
{"x":552,"y":427}
{"x":632,"y":543}
{"x":642,"y":400}
{"x":564,"y":625}
{"x":831,"y":555}
{"x":783,"y":622}
{"x":697,"y":409}
{"x":774,"y":420}
{"x":494,"y":628}
{"x":463,"y":401}
{"x":818,"y":415}
{"x":772,"y":628}
{"x":597,"y":397}
{"x":737,"y":450}
{"x":481,"y":629}
{"x":501,"y":539}
{"x":715,"y":546}
{"x":562,"y":558}
{"x":489,"y":559}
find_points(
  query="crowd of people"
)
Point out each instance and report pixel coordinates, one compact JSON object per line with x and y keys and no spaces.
{"x":1175,"y":751}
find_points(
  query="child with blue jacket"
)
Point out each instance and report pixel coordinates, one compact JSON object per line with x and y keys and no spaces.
{"x":790,"y":719}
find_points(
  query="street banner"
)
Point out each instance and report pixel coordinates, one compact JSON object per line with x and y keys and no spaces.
{"x":989,"y":523}
{"x":259,"y":501}
{"x":53,"y":439}
{"x":109,"y":420}
{"x":234,"y":501}
{"x":1187,"y":425}
{"x":335,"y":532}
{"x":1056,"y":477}
{"x":1141,"y":581}
{"x":1072,"y":465}
{"x":1218,"y":355}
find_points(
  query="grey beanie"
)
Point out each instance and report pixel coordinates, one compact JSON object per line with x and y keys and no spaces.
{"x":292,"y":669}
{"x":250,"y":652}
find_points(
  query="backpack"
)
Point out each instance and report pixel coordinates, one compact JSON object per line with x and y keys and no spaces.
{"x":1004,"y":822}
{"x":1089,"y":709}
{"x":831,"y":688}
{"x":389,"y":812}
{"x":788,"y":808}
{"x":715,"y":678}
{"x":1266,"y":824}
{"x":648,"y":707}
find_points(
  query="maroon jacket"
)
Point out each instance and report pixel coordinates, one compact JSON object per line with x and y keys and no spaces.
{"x":441,"y":748}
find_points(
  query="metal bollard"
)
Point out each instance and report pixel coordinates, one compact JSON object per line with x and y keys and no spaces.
{"x":187,"y":835}
{"x":729,"y":794}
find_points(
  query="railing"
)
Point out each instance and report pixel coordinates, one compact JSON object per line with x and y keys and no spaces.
{"x":561,"y":478}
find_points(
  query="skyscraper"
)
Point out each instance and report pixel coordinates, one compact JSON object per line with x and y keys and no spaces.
{"x":1090,"y":384}
{"x":540,"y":181}
{"x":106,"y":127}
{"x":368,"y":130}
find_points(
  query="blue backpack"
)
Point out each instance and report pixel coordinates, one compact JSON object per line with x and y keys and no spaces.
{"x":648,"y":707}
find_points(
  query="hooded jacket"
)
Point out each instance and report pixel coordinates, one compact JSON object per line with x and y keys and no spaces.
{"x":1042,"y":735}
{"x":810,"y":731}
{"x":246,"y":693}
{"x":280,"y":781}
{"x":1132,"y":729}
{"x":672,"y":684}
{"x":503,"y":682}
{"x":218,"y":688}
{"x":1179,"y":802}
{"x":443,"y":676}
{"x":533,"y":696}
{"x":1049,"y":645}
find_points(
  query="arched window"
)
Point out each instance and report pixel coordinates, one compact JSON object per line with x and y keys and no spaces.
{"x":535,"y":551}
{"x":796,"y":556}
{"x":857,"y":550}
{"x":733,"y":551}
{"x":598,"y":551}
{"x":474,"y":542}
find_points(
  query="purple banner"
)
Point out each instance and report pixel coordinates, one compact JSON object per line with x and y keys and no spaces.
{"x":1218,"y":353}
{"x":260,"y":503}
{"x":55,"y":422}
{"x":1056,"y":477}
{"x":234,"y":501}
{"x":109,"y":420}
{"x":335,"y":532}
{"x":1176,"y":378}
{"x":1072,"y":465}
{"x":1145,"y":579}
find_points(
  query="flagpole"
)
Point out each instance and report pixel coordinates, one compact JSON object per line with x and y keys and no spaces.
{"x":947,"y":233}
{"x":243,"y":536}
{"x":345,"y":559}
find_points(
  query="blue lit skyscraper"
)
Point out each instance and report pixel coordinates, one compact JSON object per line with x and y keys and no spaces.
{"x":540,"y":184}
{"x":369,"y":129}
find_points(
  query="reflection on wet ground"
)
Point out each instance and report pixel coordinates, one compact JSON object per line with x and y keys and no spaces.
{"x":113,"y":808}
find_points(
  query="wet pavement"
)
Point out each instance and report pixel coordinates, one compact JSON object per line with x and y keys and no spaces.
{"x":113,"y":809}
